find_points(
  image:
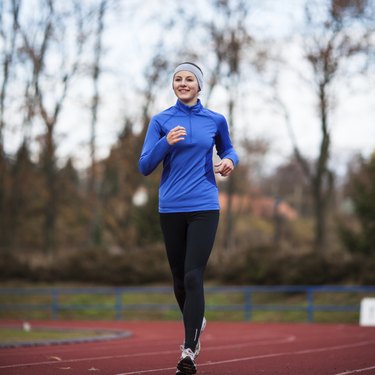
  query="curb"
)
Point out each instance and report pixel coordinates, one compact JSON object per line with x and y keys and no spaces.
{"x":107,"y":334}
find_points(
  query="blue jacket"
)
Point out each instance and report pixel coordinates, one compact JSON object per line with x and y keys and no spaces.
{"x":188,"y":180}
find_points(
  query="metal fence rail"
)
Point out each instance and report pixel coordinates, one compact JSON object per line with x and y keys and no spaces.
{"x":11,"y":299}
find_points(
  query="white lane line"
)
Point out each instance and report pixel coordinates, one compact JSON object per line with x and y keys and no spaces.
{"x":272,"y":355}
{"x":75,"y":360}
{"x":165,"y":352}
{"x":46,"y":350}
{"x":149,"y":371}
{"x":356,"y":371}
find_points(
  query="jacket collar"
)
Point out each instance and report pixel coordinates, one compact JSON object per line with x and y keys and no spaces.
{"x":189,"y":109}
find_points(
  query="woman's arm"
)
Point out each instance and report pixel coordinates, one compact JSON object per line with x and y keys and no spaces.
{"x":154,"y":150}
{"x":225,"y":150}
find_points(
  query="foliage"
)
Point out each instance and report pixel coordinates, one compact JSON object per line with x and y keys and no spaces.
{"x":359,"y":235}
{"x":265,"y":265}
{"x":251,"y":265}
{"x":99,"y":265}
{"x":47,"y":203}
{"x":330,"y":47}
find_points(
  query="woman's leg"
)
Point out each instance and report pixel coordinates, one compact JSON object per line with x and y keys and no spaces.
{"x":189,"y":238}
{"x":174,"y":228}
{"x":201,"y":233}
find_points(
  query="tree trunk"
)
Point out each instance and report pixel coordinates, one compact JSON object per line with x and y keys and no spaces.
{"x":320,"y":182}
{"x":230,"y":189}
{"x":51,"y":203}
{"x":95,"y":231}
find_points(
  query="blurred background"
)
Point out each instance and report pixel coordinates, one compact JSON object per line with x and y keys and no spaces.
{"x":79,"y":83}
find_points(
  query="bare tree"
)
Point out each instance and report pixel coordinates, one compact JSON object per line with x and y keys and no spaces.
{"x":230,"y":38}
{"x":337,"y":32}
{"x":8,"y":35}
{"x":48,"y":90}
{"x":121,"y":175}
{"x":95,"y":230}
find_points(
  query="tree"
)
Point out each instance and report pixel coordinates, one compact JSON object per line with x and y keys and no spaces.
{"x":74,"y":209}
{"x":359,"y":237}
{"x":95,"y":232}
{"x":50,"y":84}
{"x":119,"y":183}
{"x":8,"y":35}
{"x":8,"y":41}
{"x":288,"y":183}
{"x":25,"y":204}
{"x":330,"y":48}
{"x":126,"y":223}
{"x":230,"y":39}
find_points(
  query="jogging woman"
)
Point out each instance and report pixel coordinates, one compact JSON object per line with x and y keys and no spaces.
{"x":183,"y":137}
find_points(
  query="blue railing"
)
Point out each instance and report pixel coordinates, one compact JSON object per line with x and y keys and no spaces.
{"x":55,"y":305}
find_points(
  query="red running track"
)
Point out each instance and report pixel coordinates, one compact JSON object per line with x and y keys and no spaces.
{"x":227,"y":349}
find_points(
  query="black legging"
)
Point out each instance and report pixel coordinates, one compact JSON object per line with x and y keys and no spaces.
{"x":189,"y":238}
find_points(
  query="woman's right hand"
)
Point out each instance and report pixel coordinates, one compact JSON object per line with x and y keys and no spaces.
{"x":177,"y":134}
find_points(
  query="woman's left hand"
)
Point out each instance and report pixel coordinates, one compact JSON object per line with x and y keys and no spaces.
{"x":225,"y":167}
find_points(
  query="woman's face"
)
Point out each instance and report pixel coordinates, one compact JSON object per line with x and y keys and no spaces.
{"x":186,"y":88}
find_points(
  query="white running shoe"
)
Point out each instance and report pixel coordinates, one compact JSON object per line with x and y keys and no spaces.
{"x":198,"y":347}
{"x":186,"y":365}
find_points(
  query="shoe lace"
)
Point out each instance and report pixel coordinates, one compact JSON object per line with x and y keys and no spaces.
{"x":197,"y":349}
{"x":188,"y":353}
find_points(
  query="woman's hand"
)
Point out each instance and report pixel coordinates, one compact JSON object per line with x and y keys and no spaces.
{"x":177,"y":134}
{"x":225,"y":167}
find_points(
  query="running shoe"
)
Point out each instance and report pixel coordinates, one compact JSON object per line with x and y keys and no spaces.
{"x":186,"y":365}
{"x":198,"y":347}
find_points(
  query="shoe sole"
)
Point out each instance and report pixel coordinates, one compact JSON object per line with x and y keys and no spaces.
{"x":187,"y":366}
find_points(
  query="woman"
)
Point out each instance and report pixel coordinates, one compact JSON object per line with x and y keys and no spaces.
{"x":183,"y":137}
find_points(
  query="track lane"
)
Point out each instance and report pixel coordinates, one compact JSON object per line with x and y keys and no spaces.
{"x":227,"y":348}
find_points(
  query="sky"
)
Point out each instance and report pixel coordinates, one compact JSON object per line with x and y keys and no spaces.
{"x":129,"y":46}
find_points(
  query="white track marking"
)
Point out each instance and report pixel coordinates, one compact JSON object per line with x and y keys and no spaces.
{"x":211,"y":363}
{"x":135,"y":342}
{"x":273,"y":355}
{"x":75,"y":360}
{"x":356,"y":371}
{"x":165,"y":352}
{"x":149,"y":371}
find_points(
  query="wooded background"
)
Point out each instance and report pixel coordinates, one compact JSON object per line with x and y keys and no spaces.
{"x":94,"y":218}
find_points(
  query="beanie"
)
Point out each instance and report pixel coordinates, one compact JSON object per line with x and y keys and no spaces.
{"x":192,"y":68}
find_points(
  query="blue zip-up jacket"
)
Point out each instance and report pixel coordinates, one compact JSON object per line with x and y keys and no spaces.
{"x":188,"y":180}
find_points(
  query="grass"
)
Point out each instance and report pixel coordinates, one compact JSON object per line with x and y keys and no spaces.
{"x":142,"y":306}
{"x":12,"y":335}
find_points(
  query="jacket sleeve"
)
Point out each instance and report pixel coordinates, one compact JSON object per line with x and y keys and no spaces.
{"x":154,"y":150}
{"x":223,"y":143}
